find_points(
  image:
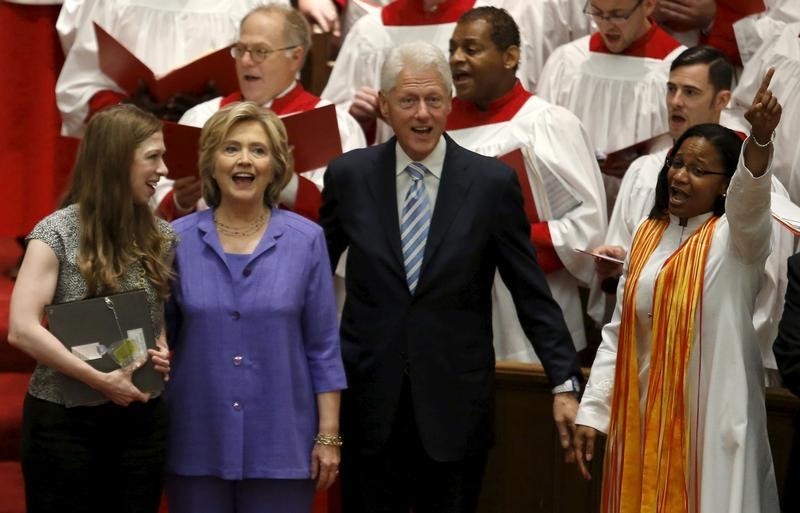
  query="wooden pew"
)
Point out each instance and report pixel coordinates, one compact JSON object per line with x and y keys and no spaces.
{"x":526,"y":472}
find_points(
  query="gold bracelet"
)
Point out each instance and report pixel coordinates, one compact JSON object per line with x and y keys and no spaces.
{"x":328,"y":439}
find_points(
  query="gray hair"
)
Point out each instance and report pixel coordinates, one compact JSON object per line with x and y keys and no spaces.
{"x":296,"y":30}
{"x":414,"y":56}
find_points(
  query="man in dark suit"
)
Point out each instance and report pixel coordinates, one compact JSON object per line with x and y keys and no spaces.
{"x":427,"y":223}
{"x":787,"y":355}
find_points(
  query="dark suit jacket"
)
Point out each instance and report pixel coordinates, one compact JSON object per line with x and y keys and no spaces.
{"x":787,"y":354}
{"x":442,"y":335}
{"x":787,"y":345}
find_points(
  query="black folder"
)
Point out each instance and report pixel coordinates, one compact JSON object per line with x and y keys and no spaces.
{"x":89,"y":321}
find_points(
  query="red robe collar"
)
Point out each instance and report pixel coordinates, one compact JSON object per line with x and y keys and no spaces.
{"x":466,"y":115}
{"x":655,"y":44}
{"x":407,"y":13}
{"x":296,"y":100}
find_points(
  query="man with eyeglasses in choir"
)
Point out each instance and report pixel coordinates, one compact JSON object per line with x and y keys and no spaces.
{"x":614,"y":80}
{"x":188,"y":29}
{"x":272,"y":46}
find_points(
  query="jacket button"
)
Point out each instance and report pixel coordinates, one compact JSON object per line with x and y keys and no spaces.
{"x":237,"y":405}
{"x":247,"y":272}
{"x":236,"y":316}
{"x":237,"y":360}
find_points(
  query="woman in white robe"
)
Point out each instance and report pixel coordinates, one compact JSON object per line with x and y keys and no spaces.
{"x":707,"y":371}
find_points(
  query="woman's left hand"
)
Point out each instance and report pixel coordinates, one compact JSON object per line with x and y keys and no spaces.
{"x":325,"y":465}
{"x":160,"y":357}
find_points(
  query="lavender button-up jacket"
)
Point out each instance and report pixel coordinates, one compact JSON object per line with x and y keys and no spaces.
{"x":251,"y":350}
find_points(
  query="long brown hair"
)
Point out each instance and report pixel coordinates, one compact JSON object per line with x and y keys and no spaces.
{"x":115,"y":232}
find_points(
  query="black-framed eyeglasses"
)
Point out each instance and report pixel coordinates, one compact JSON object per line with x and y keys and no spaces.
{"x":617,"y":17}
{"x":697,"y":172}
{"x":258,"y":53}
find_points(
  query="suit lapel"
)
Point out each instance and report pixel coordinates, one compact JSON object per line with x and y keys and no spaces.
{"x":383,"y":186}
{"x":452,"y":191}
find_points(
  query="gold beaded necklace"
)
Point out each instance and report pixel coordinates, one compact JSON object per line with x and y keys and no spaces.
{"x":250,"y":228}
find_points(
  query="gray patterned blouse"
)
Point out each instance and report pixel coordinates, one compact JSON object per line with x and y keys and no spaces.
{"x":61,"y":231}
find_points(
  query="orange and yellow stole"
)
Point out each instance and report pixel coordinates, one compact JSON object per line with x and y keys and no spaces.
{"x":645,"y":469}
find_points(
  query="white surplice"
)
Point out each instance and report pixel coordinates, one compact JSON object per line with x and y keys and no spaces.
{"x":751,"y":31}
{"x":724,"y":392}
{"x":554,"y":147}
{"x":618,"y":98}
{"x":781,"y":51}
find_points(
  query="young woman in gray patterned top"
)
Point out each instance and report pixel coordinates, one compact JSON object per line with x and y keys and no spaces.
{"x":107,"y":457}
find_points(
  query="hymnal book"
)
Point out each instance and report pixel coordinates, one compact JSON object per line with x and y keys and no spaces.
{"x":124,"y":68}
{"x":183,"y":146}
{"x":93,"y":329}
{"x":601,"y":257}
{"x":616,"y":162}
{"x":561,"y":198}
{"x":516,"y":161}
{"x":313,"y":137}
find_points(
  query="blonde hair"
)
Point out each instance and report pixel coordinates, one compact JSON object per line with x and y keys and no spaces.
{"x":217,"y":129}
{"x":115,"y":231}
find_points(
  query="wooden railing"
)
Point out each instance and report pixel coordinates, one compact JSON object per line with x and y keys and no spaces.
{"x":526,"y":472}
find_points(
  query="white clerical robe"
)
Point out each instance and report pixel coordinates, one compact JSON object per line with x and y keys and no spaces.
{"x":730,"y":463}
{"x":163,"y":34}
{"x":619,"y":98}
{"x":544,"y":25}
{"x":558,"y":159}
{"x":781,"y":51}
{"x":751,"y":31}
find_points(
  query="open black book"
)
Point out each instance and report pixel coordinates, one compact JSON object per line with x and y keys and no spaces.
{"x":93,"y":329}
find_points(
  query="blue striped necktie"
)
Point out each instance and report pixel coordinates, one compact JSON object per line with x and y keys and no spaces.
{"x":415,"y":221}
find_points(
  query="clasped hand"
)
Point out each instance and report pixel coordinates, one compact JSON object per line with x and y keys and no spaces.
{"x":118,"y":385}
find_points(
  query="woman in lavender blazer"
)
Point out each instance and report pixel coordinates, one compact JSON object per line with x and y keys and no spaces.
{"x":254,"y":386}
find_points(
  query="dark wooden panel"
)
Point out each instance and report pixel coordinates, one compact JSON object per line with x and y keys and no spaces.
{"x":317,"y":67}
{"x":526,"y":472}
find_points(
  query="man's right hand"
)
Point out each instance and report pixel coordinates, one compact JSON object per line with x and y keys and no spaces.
{"x":322,"y":14}
{"x":145,"y":101}
{"x":187,"y":192}
{"x":604,"y":268}
{"x":365,"y":105}
{"x":117,"y":386}
{"x":179,"y":103}
{"x":583,"y":444}
{"x":683,"y":15}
